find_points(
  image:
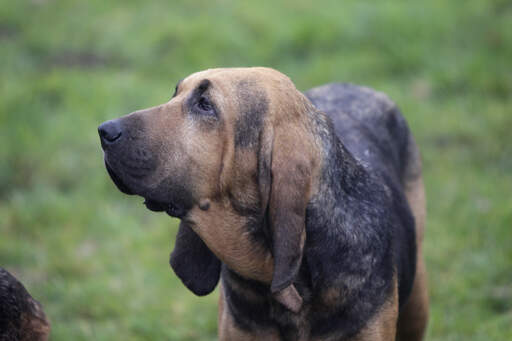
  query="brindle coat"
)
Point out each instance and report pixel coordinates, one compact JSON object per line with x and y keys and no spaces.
{"x":309,"y":208}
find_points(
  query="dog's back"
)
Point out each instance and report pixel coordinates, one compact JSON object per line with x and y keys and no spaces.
{"x":368,"y":123}
{"x":372,"y":128}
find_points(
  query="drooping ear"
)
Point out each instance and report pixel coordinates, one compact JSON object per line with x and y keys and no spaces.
{"x":285,"y":172}
{"x":194,"y":263}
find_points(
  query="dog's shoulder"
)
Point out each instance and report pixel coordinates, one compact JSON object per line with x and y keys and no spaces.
{"x":367,"y":122}
{"x":373,"y":131}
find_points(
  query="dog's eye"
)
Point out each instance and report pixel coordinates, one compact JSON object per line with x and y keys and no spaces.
{"x":204,"y":105}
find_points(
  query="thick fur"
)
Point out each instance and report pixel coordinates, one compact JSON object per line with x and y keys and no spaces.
{"x":309,"y":207}
{"x":21,"y":317}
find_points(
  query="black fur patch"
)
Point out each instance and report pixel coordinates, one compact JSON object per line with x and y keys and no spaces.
{"x":248,"y":314}
{"x":349,"y":239}
{"x":374,"y":131}
{"x":253,"y":104}
{"x":254,"y":308}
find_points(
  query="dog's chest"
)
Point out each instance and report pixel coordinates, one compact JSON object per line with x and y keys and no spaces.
{"x":254,"y":310}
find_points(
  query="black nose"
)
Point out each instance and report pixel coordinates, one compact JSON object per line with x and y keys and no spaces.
{"x":110,"y":131}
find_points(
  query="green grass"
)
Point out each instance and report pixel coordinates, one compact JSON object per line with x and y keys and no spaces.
{"x":98,"y":260}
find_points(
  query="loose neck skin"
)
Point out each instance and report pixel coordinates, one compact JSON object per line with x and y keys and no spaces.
{"x":225,"y":234}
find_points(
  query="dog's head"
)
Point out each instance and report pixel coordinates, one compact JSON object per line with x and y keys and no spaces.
{"x":230,"y":154}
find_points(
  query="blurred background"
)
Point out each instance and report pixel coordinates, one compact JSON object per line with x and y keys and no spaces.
{"x":98,"y":260}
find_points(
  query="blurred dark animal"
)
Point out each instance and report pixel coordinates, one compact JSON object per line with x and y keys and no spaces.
{"x":309,"y":207}
{"x":21,"y":317}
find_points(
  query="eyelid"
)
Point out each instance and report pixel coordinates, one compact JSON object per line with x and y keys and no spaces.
{"x":204,"y":100}
{"x":198,"y":94}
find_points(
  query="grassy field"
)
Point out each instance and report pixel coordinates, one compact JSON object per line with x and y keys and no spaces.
{"x":98,"y":260}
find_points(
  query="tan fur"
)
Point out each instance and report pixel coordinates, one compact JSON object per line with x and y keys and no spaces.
{"x":222,"y":231}
{"x":382,"y":327}
{"x":414,"y":315}
{"x":35,"y":326}
{"x":220,"y":227}
{"x":332,"y":297}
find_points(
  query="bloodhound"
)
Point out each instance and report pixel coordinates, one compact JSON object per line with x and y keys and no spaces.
{"x":21,"y":317}
{"x":308,"y":207}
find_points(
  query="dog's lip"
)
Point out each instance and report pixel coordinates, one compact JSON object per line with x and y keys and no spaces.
{"x":155,"y":206}
{"x":117,"y":180}
{"x":171,"y":209}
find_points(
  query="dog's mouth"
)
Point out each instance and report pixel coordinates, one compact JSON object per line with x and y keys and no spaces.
{"x":171,"y":208}
{"x":117,"y":181}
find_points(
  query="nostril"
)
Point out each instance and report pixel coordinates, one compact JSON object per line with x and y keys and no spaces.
{"x":110,"y":131}
{"x":109,"y":136}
